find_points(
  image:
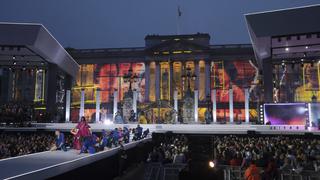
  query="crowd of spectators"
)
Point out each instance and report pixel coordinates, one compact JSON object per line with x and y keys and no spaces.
{"x":271,"y":154}
{"x":170,"y":150}
{"x":16,"y":113}
{"x":16,"y":144}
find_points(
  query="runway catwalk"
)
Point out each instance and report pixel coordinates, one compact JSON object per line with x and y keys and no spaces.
{"x":52,"y":163}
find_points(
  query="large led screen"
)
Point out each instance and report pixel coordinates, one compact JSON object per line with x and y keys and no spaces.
{"x":286,"y":114}
{"x":314,"y":114}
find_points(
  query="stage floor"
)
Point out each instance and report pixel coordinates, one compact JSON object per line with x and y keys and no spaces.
{"x":52,"y":163}
{"x":180,"y":128}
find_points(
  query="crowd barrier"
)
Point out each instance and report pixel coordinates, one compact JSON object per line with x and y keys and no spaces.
{"x":159,"y":171}
{"x":237,"y":173}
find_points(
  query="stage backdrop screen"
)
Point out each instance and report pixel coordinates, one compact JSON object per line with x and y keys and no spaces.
{"x":314,"y":114}
{"x":286,"y":114}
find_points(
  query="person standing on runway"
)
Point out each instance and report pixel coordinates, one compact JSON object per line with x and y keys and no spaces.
{"x":76,"y":139}
{"x":83,"y":130}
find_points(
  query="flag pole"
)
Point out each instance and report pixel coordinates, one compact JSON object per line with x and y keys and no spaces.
{"x":179,"y":13}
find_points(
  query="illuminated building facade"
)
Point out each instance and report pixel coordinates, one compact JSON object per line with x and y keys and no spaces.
{"x":235,"y":81}
{"x":160,"y":67}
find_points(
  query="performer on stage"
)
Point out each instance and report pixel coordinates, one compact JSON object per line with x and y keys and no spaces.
{"x":138,"y":133}
{"x":59,"y":142}
{"x":76,"y":139}
{"x":118,"y":118}
{"x":83,"y":130}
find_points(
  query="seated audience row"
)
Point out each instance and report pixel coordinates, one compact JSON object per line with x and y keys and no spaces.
{"x":172,"y":150}
{"x":271,"y":154}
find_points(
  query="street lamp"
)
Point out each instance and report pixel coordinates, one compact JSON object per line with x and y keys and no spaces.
{"x":188,"y":75}
{"x":130,"y":77}
{"x":208,"y":99}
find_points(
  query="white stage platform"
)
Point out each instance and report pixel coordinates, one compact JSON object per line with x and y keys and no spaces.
{"x":183,"y":128}
{"x":48,"y":164}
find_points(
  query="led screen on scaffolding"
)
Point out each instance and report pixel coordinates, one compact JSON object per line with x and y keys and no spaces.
{"x":286,"y":114}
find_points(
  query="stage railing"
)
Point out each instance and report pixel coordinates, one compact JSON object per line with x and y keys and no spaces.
{"x":159,"y":171}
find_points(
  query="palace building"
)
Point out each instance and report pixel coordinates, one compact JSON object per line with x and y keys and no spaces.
{"x":173,"y":78}
{"x":167,"y":65}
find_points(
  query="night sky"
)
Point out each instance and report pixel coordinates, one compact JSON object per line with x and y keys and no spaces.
{"x":124,"y":23}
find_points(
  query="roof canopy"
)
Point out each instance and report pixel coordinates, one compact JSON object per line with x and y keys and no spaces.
{"x":35,"y":43}
{"x":263,"y":26}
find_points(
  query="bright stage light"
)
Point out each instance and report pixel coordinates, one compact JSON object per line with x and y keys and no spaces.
{"x":211,"y":164}
{"x":107,"y":122}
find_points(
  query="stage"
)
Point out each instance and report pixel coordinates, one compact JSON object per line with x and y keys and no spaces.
{"x":48,"y":164}
{"x":179,"y":128}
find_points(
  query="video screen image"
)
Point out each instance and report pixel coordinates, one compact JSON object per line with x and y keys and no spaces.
{"x":314,"y":114}
{"x":286,"y":114}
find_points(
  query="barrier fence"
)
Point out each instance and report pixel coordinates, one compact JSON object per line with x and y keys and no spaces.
{"x":237,"y":173}
{"x":159,"y":171}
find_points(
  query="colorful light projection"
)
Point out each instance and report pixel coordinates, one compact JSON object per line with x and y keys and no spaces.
{"x":296,"y":82}
{"x":152,"y":82}
{"x":309,"y":91}
{"x":238,"y":74}
{"x":177,"y":80}
{"x":107,"y":81}
{"x":164,"y":81}
{"x":107,"y":78}
{"x":314,"y":114}
{"x":286,"y":114}
{"x":202,"y":80}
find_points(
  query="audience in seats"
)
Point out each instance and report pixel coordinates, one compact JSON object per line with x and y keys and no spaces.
{"x":271,"y":154}
{"x":22,"y":143}
{"x":173,"y":150}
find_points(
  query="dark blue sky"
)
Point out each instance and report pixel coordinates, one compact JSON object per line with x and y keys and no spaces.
{"x":124,"y":23}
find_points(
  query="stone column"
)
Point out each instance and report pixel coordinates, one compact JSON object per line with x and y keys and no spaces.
{"x":208,"y":76}
{"x":67,"y":87}
{"x":98,"y":102}
{"x":68,"y":99}
{"x":157,"y":81}
{"x":147,"y":80}
{"x":214,"y":104}
{"x":81,"y":112}
{"x":175,"y":103}
{"x":197,"y":72}
{"x":115,"y":102}
{"x":196,"y":99}
{"x":231,"y":105}
{"x":246,"y":104}
{"x":171,"y":80}
{"x":134,"y":103}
